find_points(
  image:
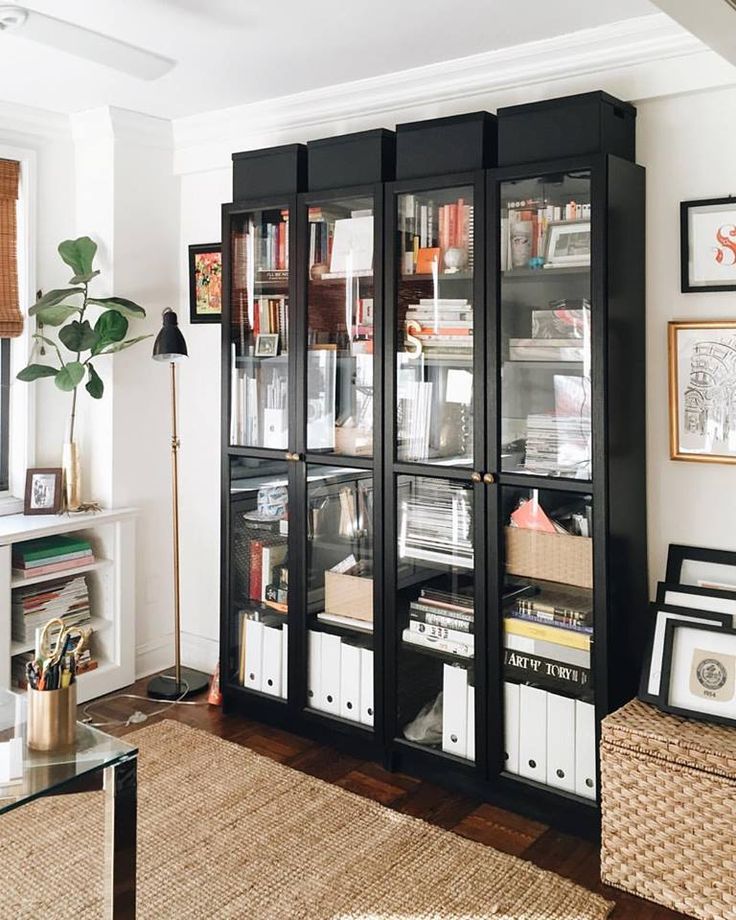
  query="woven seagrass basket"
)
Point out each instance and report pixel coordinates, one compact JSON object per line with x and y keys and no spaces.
{"x":668,"y":798}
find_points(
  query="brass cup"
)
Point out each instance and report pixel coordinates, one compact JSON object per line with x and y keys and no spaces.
{"x":52,"y":719}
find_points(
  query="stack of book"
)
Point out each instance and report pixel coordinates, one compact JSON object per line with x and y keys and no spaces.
{"x":560,"y":333}
{"x":271,"y":245}
{"x":270,"y":315}
{"x":548,"y":639}
{"x":436,"y":524}
{"x":443,"y":327}
{"x":442,"y":620}
{"x":558,"y":445}
{"x":430,"y":229}
{"x":47,"y":555}
{"x":34,"y":606}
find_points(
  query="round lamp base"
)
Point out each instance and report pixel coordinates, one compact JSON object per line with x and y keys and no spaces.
{"x":165,"y":687}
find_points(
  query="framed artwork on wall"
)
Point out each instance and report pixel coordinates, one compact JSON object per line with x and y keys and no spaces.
{"x":205,"y":283}
{"x":708,"y":245}
{"x":702,"y":370}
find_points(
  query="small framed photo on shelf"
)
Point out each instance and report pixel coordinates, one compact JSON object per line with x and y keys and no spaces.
{"x":653,"y":664}
{"x":701,"y":567}
{"x":708,"y":245}
{"x":205,"y":283}
{"x":267,"y":345}
{"x":702,"y":360}
{"x":699,"y":672}
{"x":567,"y":244}
{"x":43,"y":491}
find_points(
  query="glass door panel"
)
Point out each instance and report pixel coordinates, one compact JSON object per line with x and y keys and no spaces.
{"x":434,"y":331}
{"x":548,"y":631}
{"x":435,"y":615}
{"x":546,"y":326}
{"x":259,"y":332}
{"x":340,"y":333}
{"x":259,"y":575}
{"x":339,"y":517}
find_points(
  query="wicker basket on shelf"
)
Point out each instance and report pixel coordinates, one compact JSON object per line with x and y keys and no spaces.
{"x":549,"y":556}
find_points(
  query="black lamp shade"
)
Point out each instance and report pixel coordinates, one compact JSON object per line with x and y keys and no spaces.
{"x":169,"y":344}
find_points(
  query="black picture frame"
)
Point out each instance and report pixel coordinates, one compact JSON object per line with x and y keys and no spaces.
{"x":678,"y":553}
{"x":663,"y":702}
{"x":194,"y":250}
{"x":693,"y":591}
{"x":686,"y":285}
{"x":655,"y":609}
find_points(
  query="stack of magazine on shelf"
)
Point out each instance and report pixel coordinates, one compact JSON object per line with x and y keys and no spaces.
{"x":548,"y":638}
{"x":443,"y":327}
{"x":560,"y":333}
{"x":443,"y":621}
{"x":33,"y":606}
{"x":436,"y":524}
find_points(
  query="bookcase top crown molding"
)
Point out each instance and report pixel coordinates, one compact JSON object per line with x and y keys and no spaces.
{"x":568,"y":63}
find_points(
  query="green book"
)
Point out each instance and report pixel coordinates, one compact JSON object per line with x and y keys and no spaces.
{"x":49,"y":547}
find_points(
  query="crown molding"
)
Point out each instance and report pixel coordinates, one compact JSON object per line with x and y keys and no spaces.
{"x":123,"y":125}
{"x":205,"y":141}
{"x":31,"y":123}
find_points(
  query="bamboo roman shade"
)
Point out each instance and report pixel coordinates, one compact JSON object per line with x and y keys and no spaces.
{"x":11,"y":320}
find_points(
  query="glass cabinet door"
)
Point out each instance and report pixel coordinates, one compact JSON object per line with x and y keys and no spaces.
{"x":259,"y":332}
{"x":435,"y":615}
{"x":340,"y":554}
{"x":259,"y":576}
{"x":434,"y":326}
{"x":340,"y":326}
{"x":545,"y":233}
{"x":548,"y":634}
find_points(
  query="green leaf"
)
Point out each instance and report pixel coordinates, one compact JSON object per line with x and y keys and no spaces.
{"x":78,"y":336}
{"x":69,"y":376}
{"x":126,"y":307}
{"x":34,"y":371}
{"x":119,"y":346}
{"x":55,"y":316}
{"x":81,"y":279}
{"x":51,"y":298}
{"x":94,"y":386}
{"x":79,"y":255}
{"x":110,"y":327}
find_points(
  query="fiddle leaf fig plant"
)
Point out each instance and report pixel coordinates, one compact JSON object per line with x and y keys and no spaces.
{"x":79,"y":342}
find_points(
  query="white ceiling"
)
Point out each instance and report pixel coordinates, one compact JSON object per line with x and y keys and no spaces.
{"x":236,"y":51}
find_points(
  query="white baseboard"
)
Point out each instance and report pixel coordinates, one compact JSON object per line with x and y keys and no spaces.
{"x":199,"y":652}
{"x":154,"y":655}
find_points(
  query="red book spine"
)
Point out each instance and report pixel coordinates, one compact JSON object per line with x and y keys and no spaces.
{"x":256,"y":570}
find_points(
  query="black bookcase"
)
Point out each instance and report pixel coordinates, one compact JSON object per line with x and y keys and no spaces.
{"x":465,"y":352}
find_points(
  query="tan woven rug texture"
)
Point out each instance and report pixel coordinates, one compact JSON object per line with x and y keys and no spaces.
{"x":224,"y":832}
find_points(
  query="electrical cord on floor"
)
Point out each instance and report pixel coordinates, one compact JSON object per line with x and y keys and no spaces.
{"x":137,"y":717}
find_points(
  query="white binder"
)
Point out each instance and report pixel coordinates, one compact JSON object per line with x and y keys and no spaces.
{"x":350,"y":682}
{"x":285,"y":661}
{"x":455,"y":710}
{"x":585,"y":780}
{"x":330,"y":680}
{"x":470,"y":734}
{"x":366,"y":686}
{"x":253,"y":654}
{"x":511,"y":727}
{"x":272,"y":640}
{"x":314,"y":669}
{"x":560,"y":742}
{"x":532,"y":733}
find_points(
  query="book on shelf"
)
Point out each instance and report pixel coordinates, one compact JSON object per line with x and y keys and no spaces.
{"x":443,"y":610}
{"x":449,"y":634}
{"x":546,"y":632}
{"x":33,"y":606}
{"x":428,"y":225}
{"x":435,"y":524}
{"x":560,"y":605}
{"x":45,"y":551}
{"x":439,"y":327}
{"x":547,"y":674}
{"x":553,"y":350}
{"x":558,"y":445}
{"x":534,"y":216}
{"x":463,"y":648}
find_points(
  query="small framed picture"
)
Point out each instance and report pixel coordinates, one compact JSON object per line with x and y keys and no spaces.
{"x":702,"y":355}
{"x":714,"y":600}
{"x":701,"y":567}
{"x":653,"y":663}
{"x":567,"y":243}
{"x":267,"y":345}
{"x":708,"y":245}
{"x":205,"y":283}
{"x":699,"y":672}
{"x":43,"y":491}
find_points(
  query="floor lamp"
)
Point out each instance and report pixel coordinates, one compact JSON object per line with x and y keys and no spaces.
{"x":177,"y":682}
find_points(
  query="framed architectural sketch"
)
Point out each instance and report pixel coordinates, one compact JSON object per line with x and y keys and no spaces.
{"x":702,"y":362}
{"x":708,"y":245}
{"x":205,"y":283}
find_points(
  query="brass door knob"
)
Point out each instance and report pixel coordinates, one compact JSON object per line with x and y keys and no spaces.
{"x":476,"y":477}
{"x":489,"y":479}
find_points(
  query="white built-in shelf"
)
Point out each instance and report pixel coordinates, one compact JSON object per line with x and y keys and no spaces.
{"x":17,"y":582}
{"x":96,"y":623}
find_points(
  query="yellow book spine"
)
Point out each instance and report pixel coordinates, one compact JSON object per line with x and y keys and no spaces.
{"x":568,"y":637}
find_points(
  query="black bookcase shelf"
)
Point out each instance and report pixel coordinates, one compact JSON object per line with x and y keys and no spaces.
{"x":330,"y":476}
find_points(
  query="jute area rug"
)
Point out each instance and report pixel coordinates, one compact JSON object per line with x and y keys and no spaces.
{"x":226,"y":833}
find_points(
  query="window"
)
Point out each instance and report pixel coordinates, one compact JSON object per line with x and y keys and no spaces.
{"x":4,"y":414}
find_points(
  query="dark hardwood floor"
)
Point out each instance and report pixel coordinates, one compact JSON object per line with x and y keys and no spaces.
{"x":569,"y":856}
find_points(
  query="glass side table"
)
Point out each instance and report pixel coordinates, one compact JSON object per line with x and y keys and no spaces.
{"x":97,"y":761}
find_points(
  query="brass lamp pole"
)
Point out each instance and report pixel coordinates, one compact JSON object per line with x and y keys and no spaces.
{"x":178,"y":682}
